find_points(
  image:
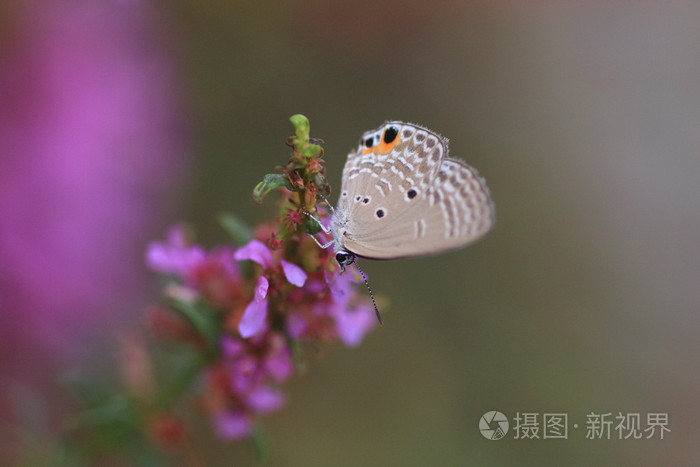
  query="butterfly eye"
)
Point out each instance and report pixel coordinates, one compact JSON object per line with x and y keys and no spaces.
{"x":366,"y":200}
{"x":358,"y":198}
{"x":390,"y":134}
{"x":411,"y":193}
{"x":369,"y":142}
{"x":344,"y":258}
{"x":380,"y":213}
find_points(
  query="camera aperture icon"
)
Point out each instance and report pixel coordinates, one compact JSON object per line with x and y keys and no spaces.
{"x":493,"y":425}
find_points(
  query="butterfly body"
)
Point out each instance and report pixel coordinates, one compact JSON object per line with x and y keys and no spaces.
{"x":402,"y":196}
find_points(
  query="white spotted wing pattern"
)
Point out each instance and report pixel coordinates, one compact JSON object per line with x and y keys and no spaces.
{"x":402,"y":196}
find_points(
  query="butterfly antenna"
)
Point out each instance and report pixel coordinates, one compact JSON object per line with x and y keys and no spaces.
{"x":371,"y":295}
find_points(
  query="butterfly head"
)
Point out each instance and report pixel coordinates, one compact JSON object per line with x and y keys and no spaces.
{"x":344,"y":258}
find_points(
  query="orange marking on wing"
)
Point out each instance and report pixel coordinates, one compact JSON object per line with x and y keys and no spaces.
{"x":382,"y":147}
{"x":386,"y":147}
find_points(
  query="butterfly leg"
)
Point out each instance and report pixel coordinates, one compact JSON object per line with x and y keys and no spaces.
{"x":323,"y":227}
{"x":327,"y":203}
{"x":322,"y":245}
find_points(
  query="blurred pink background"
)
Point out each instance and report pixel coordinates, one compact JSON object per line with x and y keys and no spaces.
{"x":91,"y":137}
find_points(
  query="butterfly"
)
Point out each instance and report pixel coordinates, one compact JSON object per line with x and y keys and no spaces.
{"x":402,"y":195}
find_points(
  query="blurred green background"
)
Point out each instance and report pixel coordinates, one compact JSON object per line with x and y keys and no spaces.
{"x":583,"y":118}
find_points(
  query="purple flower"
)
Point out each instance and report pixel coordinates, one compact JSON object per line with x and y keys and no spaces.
{"x":91,"y":147}
{"x":231,"y":425}
{"x":265,"y":400}
{"x":255,"y":250}
{"x":352,"y":325}
{"x":339,"y":285}
{"x":278,"y":358}
{"x":294,"y":274}
{"x":339,"y":313}
{"x":255,"y":356}
{"x":352,"y":322}
{"x":261,"y":289}
{"x":232,"y":348}
{"x":175,"y":255}
{"x":254,"y":317}
{"x":261,"y":359}
{"x":250,"y":368}
{"x":255,"y":352}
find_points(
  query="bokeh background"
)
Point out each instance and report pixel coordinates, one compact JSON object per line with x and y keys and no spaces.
{"x":119,"y":118}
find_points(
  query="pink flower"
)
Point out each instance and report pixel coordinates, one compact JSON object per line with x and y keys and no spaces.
{"x":338,"y":313}
{"x":230,"y":424}
{"x":91,"y":147}
{"x":352,"y":325}
{"x":352,"y":322}
{"x":252,"y":366}
{"x":294,"y":274}
{"x":255,"y":352}
{"x":255,"y":250}
{"x":254,"y":317}
{"x":175,"y":255}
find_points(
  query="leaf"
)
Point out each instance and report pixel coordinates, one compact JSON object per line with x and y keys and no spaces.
{"x":116,"y":410}
{"x":237,"y":229}
{"x":303,"y":128}
{"x":185,"y":367}
{"x":261,"y":444}
{"x":311,"y":150}
{"x":270,"y":182}
{"x":114,"y":426}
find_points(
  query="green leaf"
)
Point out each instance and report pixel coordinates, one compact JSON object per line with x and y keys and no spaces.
{"x":237,"y":229}
{"x":261,"y":444}
{"x":112,"y":425}
{"x":303,"y":128}
{"x":184,"y":368}
{"x":311,"y":150}
{"x":269,"y":183}
{"x":116,"y":410}
{"x":297,"y":355}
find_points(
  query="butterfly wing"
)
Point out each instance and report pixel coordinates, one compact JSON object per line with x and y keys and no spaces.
{"x":401,"y":196}
{"x":456,"y":211}
{"x":391,"y":170}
